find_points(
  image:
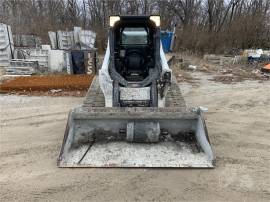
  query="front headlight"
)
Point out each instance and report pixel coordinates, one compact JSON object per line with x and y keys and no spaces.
{"x":113,"y":20}
{"x":155,"y":19}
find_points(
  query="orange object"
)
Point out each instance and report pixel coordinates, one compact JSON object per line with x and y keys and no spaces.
{"x":266,"y":68}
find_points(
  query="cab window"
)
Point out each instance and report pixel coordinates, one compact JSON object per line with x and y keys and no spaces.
{"x":134,"y":36}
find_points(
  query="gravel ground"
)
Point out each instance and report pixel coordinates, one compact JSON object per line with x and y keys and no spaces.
{"x":32,"y":129}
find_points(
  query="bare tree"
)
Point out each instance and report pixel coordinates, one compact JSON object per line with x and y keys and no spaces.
{"x":202,"y":25}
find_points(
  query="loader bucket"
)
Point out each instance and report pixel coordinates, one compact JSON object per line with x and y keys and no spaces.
{"x":97,"y":137}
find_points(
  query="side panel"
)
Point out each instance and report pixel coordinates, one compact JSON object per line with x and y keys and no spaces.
{"x":105,"y":81}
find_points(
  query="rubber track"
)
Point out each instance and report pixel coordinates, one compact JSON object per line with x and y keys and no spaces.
{"x":95,"y":97}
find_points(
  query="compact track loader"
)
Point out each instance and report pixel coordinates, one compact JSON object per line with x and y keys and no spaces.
{"x":134,"y":114}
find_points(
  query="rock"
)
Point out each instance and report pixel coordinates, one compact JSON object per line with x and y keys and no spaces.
{"x":56,"y":90}
{"x":192,"y":67}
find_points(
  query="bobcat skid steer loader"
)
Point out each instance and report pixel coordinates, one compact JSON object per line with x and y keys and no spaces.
{"x":134,"y":114}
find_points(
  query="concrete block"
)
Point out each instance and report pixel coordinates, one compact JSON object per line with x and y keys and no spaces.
{"x":56,"y":61}
{"x":6,"y":45}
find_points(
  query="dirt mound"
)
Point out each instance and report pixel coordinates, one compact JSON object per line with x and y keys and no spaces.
{"x":45,"y":83}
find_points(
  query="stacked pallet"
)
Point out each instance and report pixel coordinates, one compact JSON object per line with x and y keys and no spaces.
{"x":22,"y":67}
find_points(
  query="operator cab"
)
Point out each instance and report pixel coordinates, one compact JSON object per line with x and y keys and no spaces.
{"x":134,"y":47}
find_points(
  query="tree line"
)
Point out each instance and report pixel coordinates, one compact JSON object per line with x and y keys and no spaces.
{"x":202,"y":26}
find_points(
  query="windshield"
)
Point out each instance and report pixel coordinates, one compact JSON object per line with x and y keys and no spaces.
{"x":134,"y":36}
